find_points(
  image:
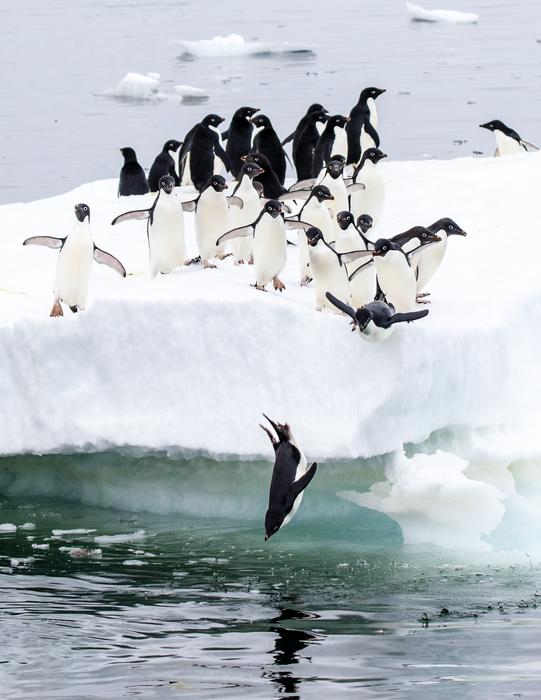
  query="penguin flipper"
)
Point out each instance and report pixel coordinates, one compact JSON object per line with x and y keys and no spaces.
{"x":258,"y":187}
{"x":529,"y":146}
{"x":190,"y":205}
{"x":234,"y":201}
{"x":360,"y":268}
{"x":225,"y":135}
{"x":222,"y":155}
{"x":298,"y":194}
{"x":242,"y":231}
{"x":48,"y":241}
{"x":371,"y":131}
{"x":497,"y":153}
{"x":298,"y":486}
{"x":104,"y":258}
{"x":355,"y":187}
{"x":408,"y":317}
{"x":294,"y":224}
{"x":139,"y":214}
{"x":353,"y":255}
{"x":346,"y":308}
{"x":303,"y":184}
{"x":412,"y":255}
{"x":288,"y":138}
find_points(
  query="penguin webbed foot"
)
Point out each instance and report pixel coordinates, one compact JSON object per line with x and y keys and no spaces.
{"x":421,"y":300}
{"x":259,"y":287}
{"x":223,"y":256}
{"x":278,"y":284}
{"x":74,"y":309}
{"x":56,"y":311}
{"x":305,"y":281}
{"x":353,"y":325}
{"x":421,"y":295}
{"x":239,"y":262}
{"x":251,"y":260}
{"x":193,"y":261}
{"x":209,"y":266}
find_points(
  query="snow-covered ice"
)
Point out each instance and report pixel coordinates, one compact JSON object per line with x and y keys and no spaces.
{"x":452,"y":16}
{"x":136,"y":86}
{"x":236,"y":45}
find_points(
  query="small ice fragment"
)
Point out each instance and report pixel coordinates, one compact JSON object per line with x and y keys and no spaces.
{"x":40,"y":546}
{"x":23,"y":562}
{"x":133,"y":562}
{"x":27,"y":526}
{"x":78,"y":552}
{"x":75,"y":531}
{"x":452,"y":16}
{"x":8,"y":527}
{"x":190,"y":91}
{"x":116,"y":539}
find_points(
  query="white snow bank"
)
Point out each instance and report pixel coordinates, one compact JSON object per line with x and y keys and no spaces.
{"x":236,"y":45}
{"x":452,"y":16}
{"x":136,"y":86}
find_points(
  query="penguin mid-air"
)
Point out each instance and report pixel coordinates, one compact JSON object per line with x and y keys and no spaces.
{"x":271,"y":188}
{"x":164,"y":164}
{"x":332,"y":142}
{"x":363,"y":123}
{"x":294,"y":136}
{"x":375,"y":320}
{"x":305,"y":143}
{"x":132,"y":178}
{"x":242,"y":247}
{"x":508,"y":142}
{"x":370,"y":200}
{"x":239,"y":137}
{"x":165,"y":228}
{"x":327,"y":271}
{"x":77,"y":250}
{"x":201,"y":145}
{"x":290,"y":477}
{"x":269,"y":244}
{"x":265,"y":140}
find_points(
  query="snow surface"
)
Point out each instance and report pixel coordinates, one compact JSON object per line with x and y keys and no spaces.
{"x":452,"y":16}
{"x":186,"y":363}
{"x":136,"y":86}
{"x":236,"y":45}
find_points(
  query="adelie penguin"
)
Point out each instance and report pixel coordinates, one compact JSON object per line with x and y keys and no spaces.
{"x":369,"y":200}
{"x":265,"y":140}
{"x":270,"y":186}
{"x":363,"y":286}
{"x":326,"y":269}
{"x":508,"y":142}
{"x":375,"y":320}
{"x":429,"y":259}
{"x":304,"y":145}
{"x":290,"y":477}
{"x":201,"y":145}
{"x":239,"y":137}
{"x":242,"y":247}
{"x":363,"y":123}
{"x":165,"y":228}
{"x":332,"y":142}
{"x":77,"y":250}
{"x":294,"y":136}
{"x":269,"y":244}
{"x":164,"y":164}
{"x":132,"y":176}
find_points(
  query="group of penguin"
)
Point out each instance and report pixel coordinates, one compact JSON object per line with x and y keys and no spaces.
{"x":337,"y":204}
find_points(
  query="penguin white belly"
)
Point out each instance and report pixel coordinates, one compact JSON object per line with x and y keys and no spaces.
{"x":340,"y":144}
{"x":316,"y":214}
{"x":301,"y":469}
{"x":242,"y":248}
{"x":328,"y":276}
{"x":304,"y":260}
{"x":186,"y":178}
{"x":371,"y":199}
{"x":363,"y":286}
{"x":375,"y":334}
{"x":506,"y":145}
{"x":371,"y":102}
{"x":73,"y":269}
{"x":166,"y":236}
{"x":366,"y":141}
{"x":269,"y":249}
{"x":340,"y":202}
{"x":429,"y":260}
{"x":397,"y":280}
{"x":219,"y":167}
{"x":211,"y":221}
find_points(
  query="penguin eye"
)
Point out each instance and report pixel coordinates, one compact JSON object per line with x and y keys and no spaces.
{"x":384,"y":247}
{"x":269,"y":208}
{"x":451,"y":227}
{"x":423,"y":235}
{"x":85,"y":208}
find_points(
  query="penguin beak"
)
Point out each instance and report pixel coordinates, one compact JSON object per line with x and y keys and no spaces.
{"x":348,"y":119}
{"x":374,"y":253}
{"x":266,"y":537}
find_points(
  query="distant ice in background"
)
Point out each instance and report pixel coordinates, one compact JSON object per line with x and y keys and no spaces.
{"x":236,"y":45}
{"x":453,"y":16}
{"x":136,"y":86}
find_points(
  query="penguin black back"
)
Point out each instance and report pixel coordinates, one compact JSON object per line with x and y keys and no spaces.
{"x":132,"y":178}
{"x":164,"y":164}
{"x":239,"y":137}
{"x":304,"y":145}
{"x":359,"y":117}
{"x":205,"y":143}
{"x":266,"y":141}
{"x":272,"y":189}
{"x":324,"y":147}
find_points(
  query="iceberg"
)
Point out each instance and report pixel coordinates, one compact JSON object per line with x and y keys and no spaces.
{"x":235,"y":45}
{"x":136,"y":86}
{"x":452,"y":16}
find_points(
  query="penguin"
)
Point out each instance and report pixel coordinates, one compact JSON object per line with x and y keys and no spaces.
{"x":370,"y":200}
{"x":363,"y":123}
{"x":270,"y":185}
{"x":294,"y":136}
{"x":305,"y":144}
{"x":269,"y":244}
{"x":132,"y":178}
{"x":242,"y":247}
{"x":314,"y":212}
{"x":508,"y":142}
{"x":165,"y":228}
{"x":332,"y":142}
{"x":375,"y":321}
{"x":77,"y":250}
{"x":326,"y":269}
{"x":364,"y":224}
{"x":164,"y":164}
{"x":239,"y":137}
{"x":429,"y":259}
{"x":290,"y":477}
{"x":266,"y":141}
{"x":363,"y":286}
{"x":201,"y":145}
{"x":211,"y":218}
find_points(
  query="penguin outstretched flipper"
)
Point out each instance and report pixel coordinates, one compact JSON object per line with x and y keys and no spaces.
{"x":138,"y":214}
{"x":235,"y":201}
{"x":239,"y":232}
{"x":303,"y":184}
{"x":298,"y":486}
{"x":190,"y":205}
{"x":346,"y":308}
{"x":288,"y":138}
{"x":408,"y":317}
{"x":529,"y":146}
{"x":104,"y":258}
{"x":48,"y":241}
{"x":295,"y":194}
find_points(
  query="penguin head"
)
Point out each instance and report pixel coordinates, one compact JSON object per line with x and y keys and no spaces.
{"x":251,"y":169}
{"x":217,"y":182}
{"x":273,"y":208}
{"x":344,"y":219}
{"x":167,"y":184}
{"x":425,"y":235}
{"x":246,"y":112}
{"x":372,"y":92}
{"x":449,"y":226}
{"x":273,"y":522}
{"x":322,"y":193}
{"x":213,"y":121}
{"x":258,"y":158}
{"x":282,"y":430}
{"x":261,"y":121}
{"x":129,"y":155}
{"x":382,"y":246}
{"x":337,"y":120}
{"x":495,"y":125}
{"x":316,"y":107}
{"x":374,"y":155}
{"x":82,"y":211}
{"x":172,"y":145}
{"x":318,"y":116}
{"x":313,"y":236}
{"x":335,"y":167}
{"x":363,"y":318}
{"x":365,"y":222}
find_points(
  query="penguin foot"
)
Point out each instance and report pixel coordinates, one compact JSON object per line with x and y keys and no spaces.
{"x":260,"y":287}
{"x":208,"y":266}
{"x":239,"y":262}
{"x":251,"y":260}
{"x":353,"y":325}
{"x":423,"y":294}
{"x":224,"y":256}
{"x":423,"y":301}
{"x":306,"y":281}
{"x":193,"y":261}
{"x":74,"y":309}
{"x":56,"y":310}
{"x":278,"y":284}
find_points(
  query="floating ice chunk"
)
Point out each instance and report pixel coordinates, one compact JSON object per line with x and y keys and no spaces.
{"x":236,"y":45}
{"x":118,"y":539}
{"x":22,"y":562}
{"x":190,"y":91}
{"x":75,"y":531}
{"x":27,"y":526}
{"x":214,"y":560}
{"x":78,"y":552}
{"x":136,"y":86}
{"x":40,"y":546}
{"x":134,"y":562}
{"x":452,"y":16}
{"x":8,"y":527}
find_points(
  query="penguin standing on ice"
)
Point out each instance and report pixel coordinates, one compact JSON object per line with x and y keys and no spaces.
{"x":201,"y":145}
{"x":132,"y":176}
{"x":508,"y":142}
{"x":239,"y":137}
{"x":165,"y":228}
{"x":430,"y":258}
{"x":370,"y":200}
{"x":316,"y":107}
{"x":290,"y":477}
{"x":77,"y":250}
{"x":164,"y":164}
{"x":375,"y":320}
{"x":328,"y":273}
{"x":363,"y":123}
{"x":265,"y":140}
{"x":332,"y":142}
{"x":304,"y":145}
{"x":266,"y":180}
{"x":269,"y":244}
{"x":363,"y":286}
{"x":242,"y":247}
